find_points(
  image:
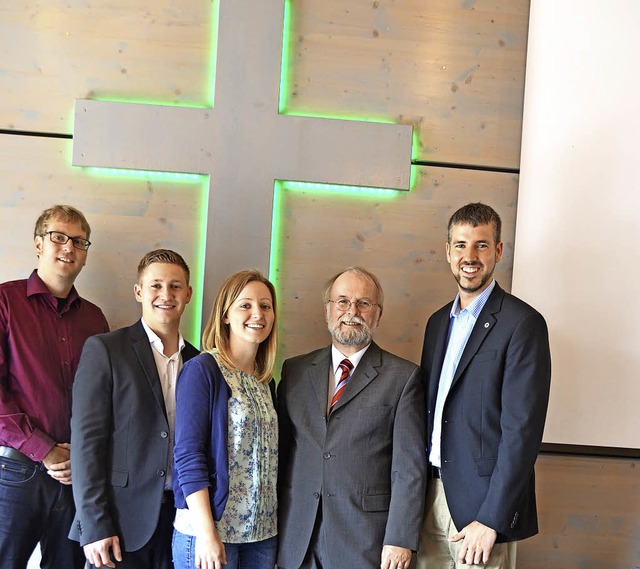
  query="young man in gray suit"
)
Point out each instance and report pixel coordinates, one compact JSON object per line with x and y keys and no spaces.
{"x":487,"y":365}
{"x":352,"y":440}
{"x":122,"y":425}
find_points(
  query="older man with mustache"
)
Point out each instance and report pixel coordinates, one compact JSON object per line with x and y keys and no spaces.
{"x":352,"y":440}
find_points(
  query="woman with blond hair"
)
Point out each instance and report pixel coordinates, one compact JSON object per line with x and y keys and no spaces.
{"x":226,"y":436}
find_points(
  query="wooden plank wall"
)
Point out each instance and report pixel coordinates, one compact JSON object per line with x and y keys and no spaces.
{"x":55,"y":52}
{"x":588,"y":511}
{"x":453,"y":69}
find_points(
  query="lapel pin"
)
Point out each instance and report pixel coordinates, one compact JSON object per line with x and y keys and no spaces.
{"x":486,"y":324}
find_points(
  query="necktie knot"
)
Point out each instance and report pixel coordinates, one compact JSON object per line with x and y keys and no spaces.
{"x":346,"y":367}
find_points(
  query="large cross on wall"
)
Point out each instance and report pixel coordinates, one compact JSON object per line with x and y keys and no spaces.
{"x":242,"y":142}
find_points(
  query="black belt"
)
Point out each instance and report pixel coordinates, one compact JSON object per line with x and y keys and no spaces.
{"x":167,"y":497}
{"x":14,"y":454}
{"x":435,"y":472}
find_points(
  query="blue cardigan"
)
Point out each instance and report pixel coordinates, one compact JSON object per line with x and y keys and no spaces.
{"x":200,"y":454}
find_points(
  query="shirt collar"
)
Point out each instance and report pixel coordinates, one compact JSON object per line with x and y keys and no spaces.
{"x":337,"y":356}
{"x":477,"y":305}
{"x":35,"y":285}
{"x":156,"y":342}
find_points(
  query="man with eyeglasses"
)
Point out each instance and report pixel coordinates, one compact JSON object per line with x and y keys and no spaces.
{"x":43,"y":326}
{"x":352,"y":442}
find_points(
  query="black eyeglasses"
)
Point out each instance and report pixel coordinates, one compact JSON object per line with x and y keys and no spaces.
{"x":62,"y":238}
{"x":363,"y":305}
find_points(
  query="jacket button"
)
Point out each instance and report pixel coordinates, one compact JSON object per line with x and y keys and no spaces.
{"x":160,"y":473}
{"x":164,"y":434}
{"x":326,"y":455}
{"x":316,"y":495}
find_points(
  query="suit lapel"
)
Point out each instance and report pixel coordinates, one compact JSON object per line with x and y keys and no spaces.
{"x":438,"y":355}
{"x":363,"y":375}
{"x":483,"y":326}
{"x":319,"y":377}
{"x":142,"y":348}
{"x":189,"y":352}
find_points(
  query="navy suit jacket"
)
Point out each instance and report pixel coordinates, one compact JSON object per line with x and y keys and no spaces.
{"x":494,"y":414}
{"x":119,"y":439}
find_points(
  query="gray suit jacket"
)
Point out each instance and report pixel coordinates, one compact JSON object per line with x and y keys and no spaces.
{"x":119,"y":439}
{"x":364,"y":465}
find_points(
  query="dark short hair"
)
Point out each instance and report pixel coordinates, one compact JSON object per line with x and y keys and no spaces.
{"x":368,"y":275}
{"x":64,"y":213}
{"x":162,"y":256}
{"x":475,"y":214}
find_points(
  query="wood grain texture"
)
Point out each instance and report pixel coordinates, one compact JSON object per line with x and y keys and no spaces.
{"x":401,"y":238}
{"x":128,"y":217}
{"x":56,"y":51}
{"x":454,"y":68}
{"x":588,"y":511}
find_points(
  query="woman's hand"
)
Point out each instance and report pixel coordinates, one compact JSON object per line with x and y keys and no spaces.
{"x":210,"y":552}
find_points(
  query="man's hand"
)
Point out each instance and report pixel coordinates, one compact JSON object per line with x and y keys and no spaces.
{"x":477,"y":543}
{"x":395,"y":557}
{"x":58,"y":463}
{"x":97,"y":553}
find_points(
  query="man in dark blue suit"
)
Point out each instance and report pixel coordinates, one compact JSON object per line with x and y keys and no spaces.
{"x":487,"y":364}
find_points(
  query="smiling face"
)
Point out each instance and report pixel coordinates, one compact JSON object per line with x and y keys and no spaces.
{"x":60,"y":264}
{"x":472,"y":254}
{"x":250,"y":316}
{"x":352,"y":330}
{"x":163,"y":291}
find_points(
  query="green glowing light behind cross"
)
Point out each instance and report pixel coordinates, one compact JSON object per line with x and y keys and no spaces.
{"x":245,"y":143}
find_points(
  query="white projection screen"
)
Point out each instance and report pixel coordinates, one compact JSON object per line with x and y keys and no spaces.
{"x":577,"y":247}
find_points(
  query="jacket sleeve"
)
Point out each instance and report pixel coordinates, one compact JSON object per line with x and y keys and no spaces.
{"x":284,"y":427}
{"x":524,"y":400}
{"x":199,"y":455}
{"x":408,"y":467}
{"x":91,"y":429}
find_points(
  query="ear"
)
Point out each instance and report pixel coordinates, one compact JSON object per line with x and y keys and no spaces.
{"x":137,"y":292}
{"x":499,"y":249}
{"x":38,"y":243}
{"x":448,"y":252}
{"x":379,"y":315}
{"x":189,"y":294}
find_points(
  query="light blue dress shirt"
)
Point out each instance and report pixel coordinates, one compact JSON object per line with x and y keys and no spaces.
{"x":461,"y":324}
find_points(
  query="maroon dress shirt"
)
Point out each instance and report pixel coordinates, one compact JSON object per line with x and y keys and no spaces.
{"x":40,"y":348}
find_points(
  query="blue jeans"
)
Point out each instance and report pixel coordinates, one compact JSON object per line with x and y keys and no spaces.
{"x":254,"y":555}
{"x":35,"y":508}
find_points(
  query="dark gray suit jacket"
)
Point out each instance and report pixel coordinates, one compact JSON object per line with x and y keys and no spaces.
{"x":365,"y":465}
{"x":494,"y":414}
{"x":119,"y":439}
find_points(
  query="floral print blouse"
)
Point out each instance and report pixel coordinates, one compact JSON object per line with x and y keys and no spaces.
{"x":251,"y":510}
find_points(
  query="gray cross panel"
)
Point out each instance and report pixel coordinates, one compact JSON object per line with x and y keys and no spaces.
{"x":243,"y":143}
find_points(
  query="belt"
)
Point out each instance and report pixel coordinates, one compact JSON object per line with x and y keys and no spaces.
{"x":14,"y":454}
{"x":435,"y":472}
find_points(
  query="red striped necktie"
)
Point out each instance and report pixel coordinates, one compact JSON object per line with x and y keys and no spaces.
{"x":346,"y":366}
